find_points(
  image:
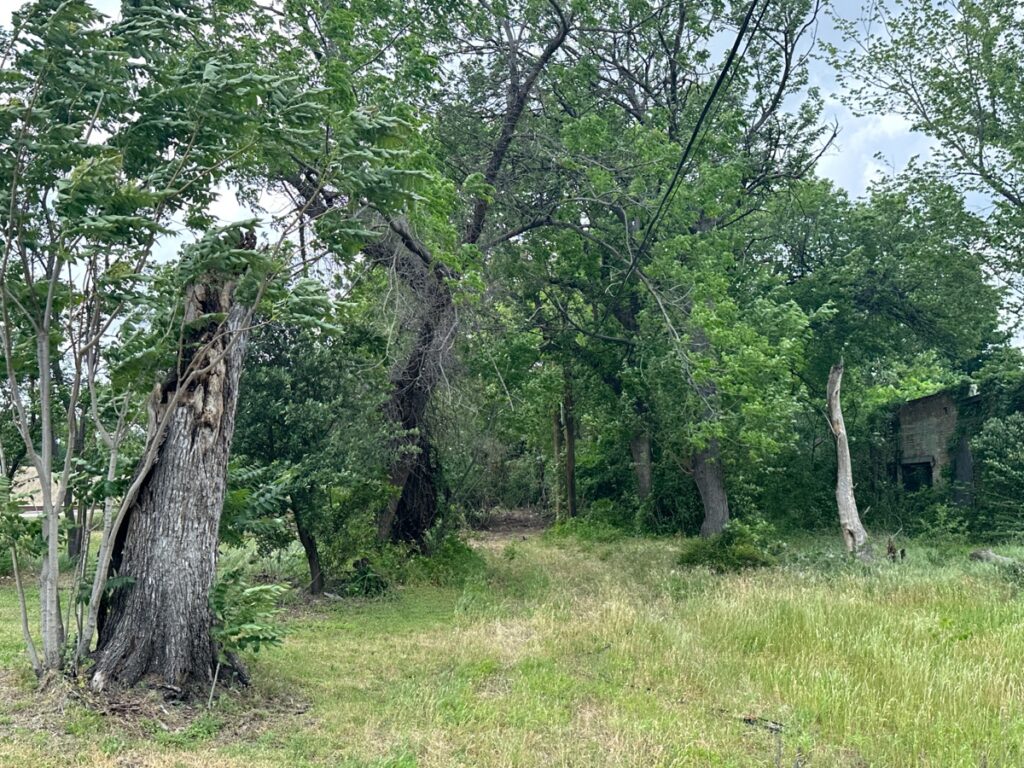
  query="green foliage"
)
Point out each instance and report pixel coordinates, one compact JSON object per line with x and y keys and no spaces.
{"x":999,"y":465}
{"x":942,"y":523}
{"x":740,"y":546}
{"x":586,"y":530}
{"x":255,"y":505}
{"x":16,"y":532}
{"x":450,"y":563}
{"x":369,"y":576}
{"x":245,"y":615}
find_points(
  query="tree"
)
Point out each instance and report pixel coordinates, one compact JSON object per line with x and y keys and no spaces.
{"x":425,"y":251}
{"x":114,"y":133}
{"x":658,"y":158}
{"x":310,"y":412}
{"x":854,"y":535}
{"x":953,"y":69}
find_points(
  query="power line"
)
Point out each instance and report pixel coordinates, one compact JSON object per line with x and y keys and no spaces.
{"x":690,"y":145}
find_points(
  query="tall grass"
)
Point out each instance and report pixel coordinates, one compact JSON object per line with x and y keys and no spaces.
{"x":612,"y":655}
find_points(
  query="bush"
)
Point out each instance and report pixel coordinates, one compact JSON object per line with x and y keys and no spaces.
{"x":364,"y":578}
{"x":619,"y":514}
{"x":451,"y":563}
{"x":587,"y":530}
{"x":942,"y":524}
{"x":246,"y":615}
{"x":740,"y":546}
{"x":999,"y":461}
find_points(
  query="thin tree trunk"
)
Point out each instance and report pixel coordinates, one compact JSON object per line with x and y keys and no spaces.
{"x":30,"y":647}
{"x":309,"y":546}
{"x":52,"y":628}
{"x":849,"y":520}
{"x":709,"y":475}
{"x":569,"y":425}
{"x":556,"y":447}
{"x":640,"y":447}
{"x":72,"y":514}
{"x":160,"y":624}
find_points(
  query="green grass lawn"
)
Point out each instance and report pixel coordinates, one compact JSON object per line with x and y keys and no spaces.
{"x":561,"y":654}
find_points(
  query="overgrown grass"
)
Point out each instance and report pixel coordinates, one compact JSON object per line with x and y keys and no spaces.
{"x":606,"y":654}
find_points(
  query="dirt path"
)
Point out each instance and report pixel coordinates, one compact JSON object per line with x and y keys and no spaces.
{"x":505,"y":526}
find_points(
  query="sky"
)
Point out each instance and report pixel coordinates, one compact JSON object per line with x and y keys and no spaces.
{"x":851,"y":163}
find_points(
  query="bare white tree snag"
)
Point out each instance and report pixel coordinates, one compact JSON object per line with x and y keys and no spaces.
{"x":849,"y":520}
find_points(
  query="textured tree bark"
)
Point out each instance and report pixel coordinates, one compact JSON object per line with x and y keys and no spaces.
{"x":640,"y":447}
{"x":159,"y":626}
{"x":854,"y":534}
{"x":569,"y":424}
{"x":415,"y":472}
{"x":709,"y":475}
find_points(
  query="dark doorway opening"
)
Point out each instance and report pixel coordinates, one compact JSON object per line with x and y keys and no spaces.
{"x":917,"y":476}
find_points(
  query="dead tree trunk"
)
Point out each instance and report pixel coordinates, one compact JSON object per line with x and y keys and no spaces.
{"x":709,"y":475}
{"x":159,"y":624}
{"x":849,"y":520}
{"x":988,"y":556}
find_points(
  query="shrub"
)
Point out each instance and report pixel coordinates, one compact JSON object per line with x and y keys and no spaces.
{"x":364,"y":578}
{"x":999,"y":461}
{"x":587,"y":530}
{"x":740,"y":546}
{"x":942,"y":525}
{"x":451,"y":563}
{"x":246,"y":615}
{"x":619,"y":514}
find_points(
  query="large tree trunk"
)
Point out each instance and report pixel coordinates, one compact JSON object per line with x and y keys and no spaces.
{"x":159,"y":625}
{"x":415,"y":472}
{"x":708,"y":470}
{"x":569,"y":424}
{"x":640,"y":447}
{"x":709,"y":475}
{"x":849,"y":520}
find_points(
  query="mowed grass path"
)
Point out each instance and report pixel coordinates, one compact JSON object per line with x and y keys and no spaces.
{"x":563,"y":654}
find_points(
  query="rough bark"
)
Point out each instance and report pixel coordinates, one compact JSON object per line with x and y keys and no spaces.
{"x":640,"y":447}
{"x":709,"y":475}
{"x":159,"y":625}
{"x":708,"y":470}
{"x":854,"y":534}
{"x":414,"y":472}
